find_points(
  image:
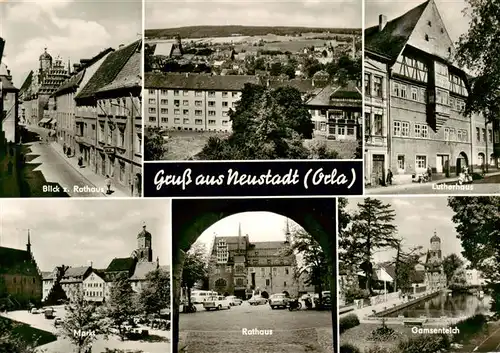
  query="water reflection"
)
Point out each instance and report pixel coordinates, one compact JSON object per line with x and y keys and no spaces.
{"x":456,"y":305}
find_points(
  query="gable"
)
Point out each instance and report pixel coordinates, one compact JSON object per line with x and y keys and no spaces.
{"x":431,"y":25}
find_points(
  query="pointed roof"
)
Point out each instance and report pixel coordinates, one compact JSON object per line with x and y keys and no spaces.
{"x":392,"y":39}
{"x":15,"y":261}
{"x":129,"y":76}
{"x":27,"y":82}
{"x":142,"y":269}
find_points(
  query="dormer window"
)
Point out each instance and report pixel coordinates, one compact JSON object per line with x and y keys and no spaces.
{"x":449,"y":50}
{"x":426,"y":38}
{"x":429,"y":23}
{"x":442,"y":30}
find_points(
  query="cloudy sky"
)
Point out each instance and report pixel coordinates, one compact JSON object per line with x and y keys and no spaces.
{"x":74,"y":29}
{"x":75,"y":232}
{"x":450,"y":10}
{"x":308,"y":13}
{"x":259,"y":226}
{"x":416,"y":219}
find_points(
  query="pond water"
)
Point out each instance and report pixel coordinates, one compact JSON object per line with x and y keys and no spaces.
{"x":456,"y":305}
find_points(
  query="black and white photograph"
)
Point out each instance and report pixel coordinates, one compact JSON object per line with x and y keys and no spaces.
{"x":419,"y":274}
{"x":96,"y":279}
{"x":254,"y":275}
{"x":71,"y":83}
{"x":248,"y":80}
{"x":431,"y":97}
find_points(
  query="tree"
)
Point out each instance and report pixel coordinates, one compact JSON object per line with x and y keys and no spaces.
{"x":458,"y":281}
{"x":266,"y":124}
{"x":315,"y":263}
{"x":276,"y":69}
{"x":477,"y":222}
{"x":371,"y":229}
{"x":478,"y":50}
{"x":451,"y":263}
{"x":82,"y":323}
{"x":155,"y":295}
{"x":289,"y":70}
{"x":154,"y":145}
{"x":404,"y":264}
{"x":311,"y":66}
{"x":120,"y":307}
{"x":10,"y":342}
{"x":195,"y":268}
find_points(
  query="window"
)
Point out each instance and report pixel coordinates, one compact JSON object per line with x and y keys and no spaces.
{"x":198,"y":112}
{"x":222,"y":251}
{"x":478,"y":134}
{"x":484,"y":134}
{"x":422,"y":97}
{"x":414,"y":93}
{"x":234,"y":94}
{"x":421,"y":162}
{"x":164,"y":119}
{"x":284,"y":284}
{"x":211,"y":94}
{"x":459,"y":135}
{"x":377,"y":86}
{"x":121,"y":137}
{"x":490,"y":135}
{"x":211,"y":122}
{"x":164,"y":110}
{"x":198,"y":122}
{"x":395,"y":89}
{"x":421,"y":131}
{"x":164,"y":92}
{"x":211,"y":103}
{"x":426,"y":37}
{"x":225,"y":122}
{"x":152,"y":110}
{"x":397,"y":128}
{"x":429,"y":23}
{"x":122,"y":171}
{"x":197,"y":94}
{"x":152,"y":119}
{"x":405,"y":128}
{"x":185,"y":121}
{"x":185,"y":93}
{"x":377,"y":125}
{"x":211,"y":113}
{"x":177,"y":102}
{"x":446,"y":134}
{"x":176,"y":92}
{"x":228,"y":269}
{"x":177,"y":120}
{"x":177,"y":111}
{"x":225,"y":113}
{"x":164,"y":102}
{"x":198,"y":103}
{"x":152,"y":101}
{"x":268,"y":282}
{"x":224,"y":104}
{"x":425,"y":131}
{"x":185,"y":112}
{"x":452,"y":135}
{"x":368,"y":84}
{"x":367,"y":123}
{"x":403,"y":91}
{"x":185,"y":103}
{"x":401,"y":162}
{"x":224,"y":94}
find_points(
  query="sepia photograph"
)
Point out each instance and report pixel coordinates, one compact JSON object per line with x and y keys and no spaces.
{"x":253,"y":275}
{"x":431,"y":97}
{"x":96,"y":280}
{"x":426,"y":281}
{"x":249,"y":80}
{"x":71,"y":83}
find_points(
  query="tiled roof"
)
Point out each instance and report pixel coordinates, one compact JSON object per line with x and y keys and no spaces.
{"x":302,"y":85}
{"x":108,"y":71}
{"x":129,"y":76}
{"x":389,"y":268}
{"x":337,"y":96}
{"x":15,"y":261}
{"x":391,"y":40}
{"x":121,"y":264}
{"x":142,"y":269}
{"x":48,"y":275}
{"x":76,"y":271}
{"x":197,"y":81}
{"x":70,"y":83}
{"x":7,"y":85}
{"x":268,"y":245}
{"x":27,"y":82}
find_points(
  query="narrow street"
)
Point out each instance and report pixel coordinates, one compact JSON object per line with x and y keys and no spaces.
{"x":55,"y":169}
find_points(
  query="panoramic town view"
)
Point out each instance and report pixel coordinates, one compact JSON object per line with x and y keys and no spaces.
{"x":428,"y":279}
{"x":222,"y":85}
{"x":255,"y":282}
{"x":71,"y":87}
{"x":107,"y":291}
{"x":431,"y":105}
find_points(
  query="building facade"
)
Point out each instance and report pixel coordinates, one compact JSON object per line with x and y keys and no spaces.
{"x":435,"y":277}
{"x":240,"y":267}
{"x":108,"y":119}
{"x":94,"y":287}
{"x":20,"y":278}
{"x":192,"y":102}
{"x":72,"y":281}
{"x":9,"y":95}
{"x":415,"y":98}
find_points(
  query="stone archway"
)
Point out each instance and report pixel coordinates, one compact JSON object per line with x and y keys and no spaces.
{"x":462,"y":161}
{"x":190,"y":218}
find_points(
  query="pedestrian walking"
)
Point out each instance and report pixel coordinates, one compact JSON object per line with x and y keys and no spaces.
{"x":65,"y":148}
{"x":108,"y":185}
{"x":389,"y":177}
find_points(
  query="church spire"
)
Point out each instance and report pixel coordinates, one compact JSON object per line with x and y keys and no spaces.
{"x":28,"y":245}
{"x":287,"y":232}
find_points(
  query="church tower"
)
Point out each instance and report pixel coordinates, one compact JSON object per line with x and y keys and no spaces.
{"x":144,"y":246}
{"x":436,"y":246}
{"x":45,"y":61}
{"x":287,"y":232}
{"x":28,"y":245}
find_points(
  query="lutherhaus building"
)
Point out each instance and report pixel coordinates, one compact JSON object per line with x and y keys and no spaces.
{"x":20,"y":278}
{"x":240,"y":267}
{"x":38,"y":87}
{"x":414,"y":98}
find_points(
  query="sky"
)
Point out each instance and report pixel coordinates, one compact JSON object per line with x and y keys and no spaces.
{"x":416,"y":219}
{"x":303,"y":13}
{"x":71,"y":29}
{"x":259,"y":226}
{"x":75,"y":232}
{"x":450,"y":10}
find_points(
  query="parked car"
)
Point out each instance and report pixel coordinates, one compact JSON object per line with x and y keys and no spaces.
{"x":233,"y":300}
{"x":216,"y":302}
{"x":58,"y":321}
{"x":326,"y":297}
{"x":49,"y":313}
{"x":257,"y":300}
{"x":278,"y":301}
{"x":36,"y":311}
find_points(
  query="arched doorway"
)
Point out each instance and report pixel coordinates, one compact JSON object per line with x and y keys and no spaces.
{"x":462,"y":161}
{"x":481,"y":159}
{"x":190,"y":218}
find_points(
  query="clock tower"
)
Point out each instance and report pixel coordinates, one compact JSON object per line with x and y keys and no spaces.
{"x":144,"y":247}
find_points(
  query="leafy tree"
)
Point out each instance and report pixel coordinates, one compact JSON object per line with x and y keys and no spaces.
{"x":260,"y":64}
{"x":82,"y":323}
{"x":195,"y":268}
{"x":404,"y":264}
{"x":267,"y":124}
{"x":371,"y":229}
{"x":289,"y":70}
{"x":478,"y":50}
{"x":154,"y":145}
{"x":11,"y":342}
{"x":451,"y":264}
{"x":311,"y":66}
{"x":120,"y":307}
{"x":315,"y":264}
{"x":319,"y":150}
{"x":155,"y":295}
{"x":477,"y":222}
{"x":276,"y":69}
{"x":458,"y":280}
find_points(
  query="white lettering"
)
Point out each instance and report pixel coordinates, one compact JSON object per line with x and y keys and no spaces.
{"x":435,"y":330}
{"x":328,"y":179}
{"x":209,"y":180}
{"x":235,"y":178}
{"x":256,"y":332}
{"x":161,"y":179}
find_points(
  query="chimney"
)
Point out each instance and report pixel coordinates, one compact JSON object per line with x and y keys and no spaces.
{"x":382,"y":21}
